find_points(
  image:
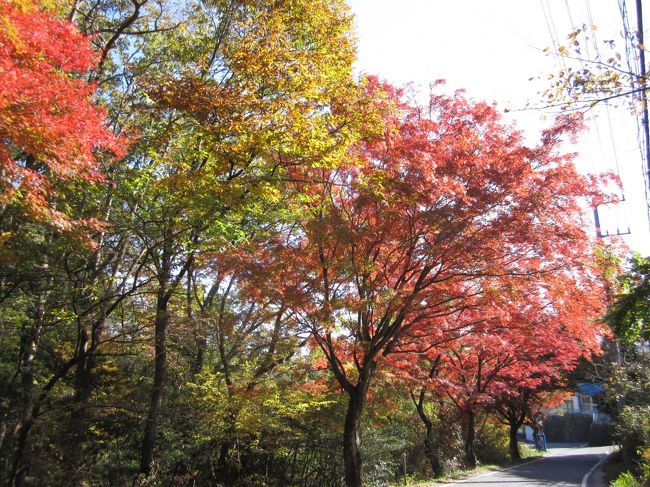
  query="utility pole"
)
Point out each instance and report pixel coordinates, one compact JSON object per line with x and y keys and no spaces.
{"x":644,"y":95}
{"x":599,"y":232}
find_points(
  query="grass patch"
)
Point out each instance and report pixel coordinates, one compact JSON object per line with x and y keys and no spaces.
{"x":529,"y":452}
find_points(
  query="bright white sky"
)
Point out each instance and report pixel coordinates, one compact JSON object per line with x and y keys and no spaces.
{"x":492,"y":49}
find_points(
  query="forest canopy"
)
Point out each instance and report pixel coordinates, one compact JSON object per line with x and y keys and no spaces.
{"x":225,"y":259}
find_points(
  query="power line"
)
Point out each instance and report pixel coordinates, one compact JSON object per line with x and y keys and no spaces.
{"x":632,"y":60}
{"x":599,"y":164}
{"x":550,"y":25}
{"x":597,"y":57}
{"x":607,"y":110}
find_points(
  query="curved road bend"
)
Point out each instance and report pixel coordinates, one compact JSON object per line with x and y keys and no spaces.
{"x":565,"y":465}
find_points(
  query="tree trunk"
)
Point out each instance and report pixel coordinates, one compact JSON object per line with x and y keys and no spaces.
{"x":80,"y":414}
{"x":429,"y":439}
{"x":166,"y":286}
{"x":351,"y":438}
{"x":4,"y":431}
{"x":226,"y":470}
{"x":22,"y":460}
{"x":21,"y":465}
{"x":8,"y":441}
{"x":85,"y":377}
{"x":199,"y":358}
{"x":515,"y":456}
{"x":431,"y":453}
{"x":160,"y":365}
{"x":74,"y":436}
{"x":470,"y":456}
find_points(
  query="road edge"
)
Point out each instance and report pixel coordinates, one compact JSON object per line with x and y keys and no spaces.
{"x":490,"y":472}
{"x":585,"y":478}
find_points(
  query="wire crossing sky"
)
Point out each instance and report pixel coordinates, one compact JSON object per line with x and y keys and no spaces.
{"x":495,"y":52}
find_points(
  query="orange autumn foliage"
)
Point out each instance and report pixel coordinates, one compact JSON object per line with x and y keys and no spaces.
{"x":50,"y":129}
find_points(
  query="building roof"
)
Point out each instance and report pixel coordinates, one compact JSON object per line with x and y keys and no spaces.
{"x":591,"y":389}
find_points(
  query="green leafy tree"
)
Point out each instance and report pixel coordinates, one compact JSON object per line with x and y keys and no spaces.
{"x":628,"y":375}
{"x":629,"y":315}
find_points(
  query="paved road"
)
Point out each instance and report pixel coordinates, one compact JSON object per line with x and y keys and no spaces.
{"x":563,"y":466}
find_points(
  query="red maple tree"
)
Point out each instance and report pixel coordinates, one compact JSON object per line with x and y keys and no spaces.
{"x":412,"y":232}
{"x":50,"y":129}
{"x":529,"y":338}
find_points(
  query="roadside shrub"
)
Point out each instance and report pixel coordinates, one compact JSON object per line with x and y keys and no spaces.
{"x":626,"y":479}
{"x":390,"y":431}
{"x":601,"y":434}
{"x":449,"y":438}
{"x":570,"y":428}
{"x":633,"y":431}
{"x":492,"y":443}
